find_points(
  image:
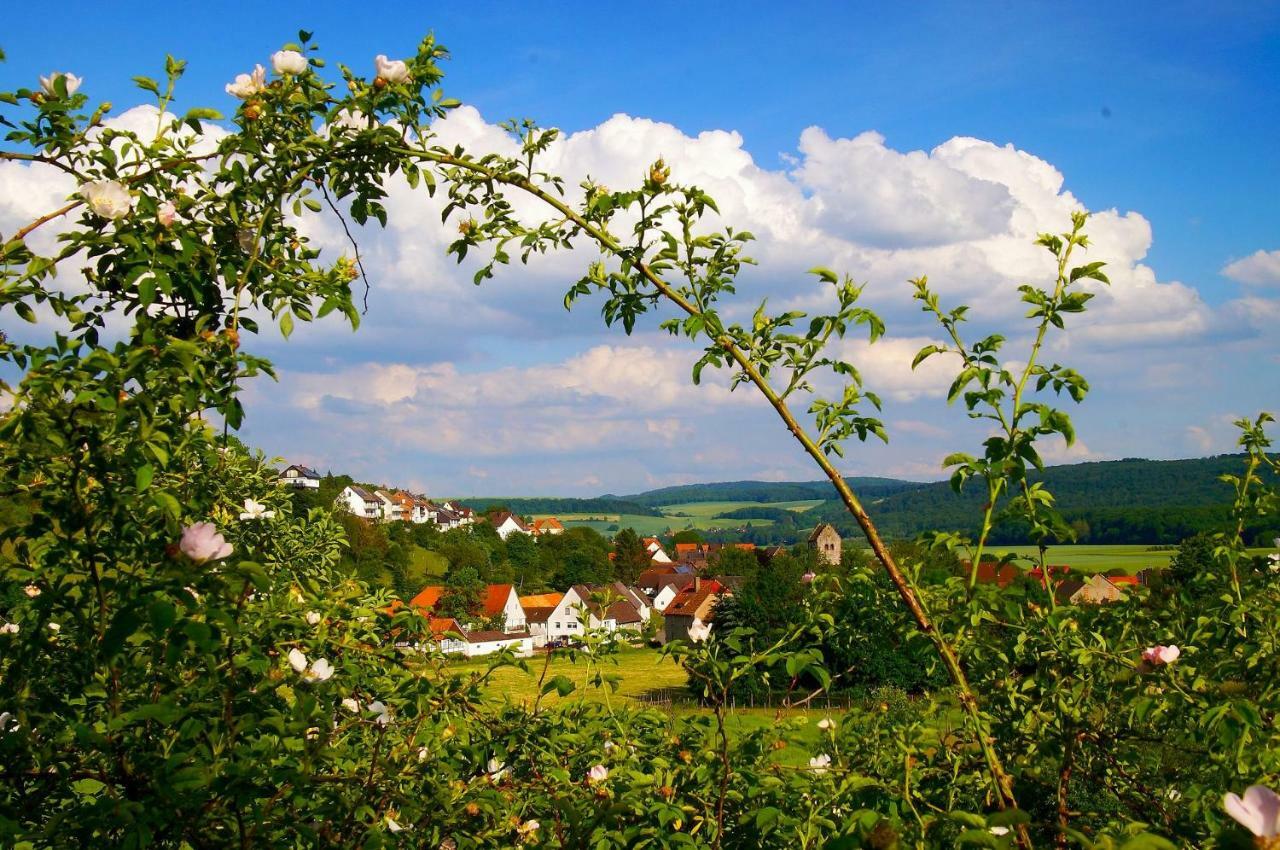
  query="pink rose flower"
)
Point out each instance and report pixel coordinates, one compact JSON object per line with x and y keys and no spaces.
{"x":166,"y":213}
{"x":1158,"y":655}
{"x":1258,"y":811}
{"x":202,"y":542}
{"x":599,"y":773}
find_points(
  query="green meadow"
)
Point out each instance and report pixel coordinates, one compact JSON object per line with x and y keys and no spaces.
{"x":677,"y":517}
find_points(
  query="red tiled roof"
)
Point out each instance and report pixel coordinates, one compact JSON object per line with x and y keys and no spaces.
{"x":541,"y":600}
{"x":495,"y":599}
{"x":428,"y":597}
{"x":690,"y":600}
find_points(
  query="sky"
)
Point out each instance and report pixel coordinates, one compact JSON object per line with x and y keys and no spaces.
{"x":937,"y":138}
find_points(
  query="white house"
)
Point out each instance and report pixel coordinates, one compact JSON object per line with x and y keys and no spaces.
{"x":390,"y":509}
{"x":667,"y":593}
{"x":456,"y":639}
{"x":464,"y":515}
{"x":565,"y":620}
{"x":507,"y":523}
{"x":361,"y":502}
{"x":301,"y":477}
{"x":538,"y":609}
{"x":657,"y":554}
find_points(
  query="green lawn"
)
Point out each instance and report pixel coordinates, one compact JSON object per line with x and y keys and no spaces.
{"x":432,"y":562}
{"x":1100,"y":559}
{"x":648,"y":679}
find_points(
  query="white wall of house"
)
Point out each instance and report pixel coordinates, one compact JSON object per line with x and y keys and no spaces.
{"x":523,"y":647}
{"x":510,"y":526}
{"x":357,"y":505}
{"x":566,"y":619}
{"x":664,"y":597}
{"x":294,"y":478}
{"x":515,"y":620}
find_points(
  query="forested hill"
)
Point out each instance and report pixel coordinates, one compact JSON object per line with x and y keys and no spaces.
{"x":1123,"y":501}
{"x":765,"y":491}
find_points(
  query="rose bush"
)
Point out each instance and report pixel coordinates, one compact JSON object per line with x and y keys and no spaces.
{"x":182,"y":664}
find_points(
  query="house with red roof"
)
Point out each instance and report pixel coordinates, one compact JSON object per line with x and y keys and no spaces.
{"x":497,"y":600}
{"x":690,"y":614}
{"x":548,"y":525}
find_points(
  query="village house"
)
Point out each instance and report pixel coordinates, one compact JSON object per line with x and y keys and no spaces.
{"x":1097,"y":590}
{"x":462,"y":515}
{"x":507,"y":523}
{"x":537,"y":610}
{"x":668,"y":590}
{"x":657,"y":554}
{"x":689,"y":615}
{"x":302,"y":477}
{"x":825,"y":540}
{"x":359,"y":501}
{"x":498,"y":601}
{"x":549,"y":525}
{"x":389,"y":509}
{"x":455,"y":638}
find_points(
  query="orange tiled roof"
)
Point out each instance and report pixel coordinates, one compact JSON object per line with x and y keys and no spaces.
{"x":495,"y":599}
{"x":541,"y":600}
{"x":428,"y":597}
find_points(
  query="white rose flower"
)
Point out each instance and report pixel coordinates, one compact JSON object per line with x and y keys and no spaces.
{"x":391,"y":70}
{"x":255,"y":510}
{"x":107,"y":198}
{"x":392,"y":826}
{"x":351,"y":705}
{"x":10,"y":629}
{"x":166,"y":213}
{"x":50,"y":83}
{"x":350,"y":119}
{"x":54,"y":627}
{"x":382,"y":714}
{"x":31,"y":590}
{"x":321,"y":670}
{"x":999,"y":830}
{"x":826,"y":723}
{"x":496,"y":769}
{"x":297,"y":660}
{"x":820,"y":763}
{"x":247,"y":85}
{"x":288,"y":62}
{"x":313,"y":618}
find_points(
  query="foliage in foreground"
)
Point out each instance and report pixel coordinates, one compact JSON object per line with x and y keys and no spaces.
{"x":182,"y":666}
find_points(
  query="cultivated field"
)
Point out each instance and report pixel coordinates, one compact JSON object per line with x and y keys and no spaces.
{"x":1100,"y":559}
{"x":677,"y":517}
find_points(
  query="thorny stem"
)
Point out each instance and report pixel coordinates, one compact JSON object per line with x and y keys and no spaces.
{"x":1001,"y":780}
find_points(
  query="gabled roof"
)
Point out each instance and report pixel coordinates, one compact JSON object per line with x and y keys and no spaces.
{"x":538,"y":613}
{"x":543,"y":526}
{"x":362,"y":493}
{"x":305,"y":471}
{"x":623,"y":612}
{"x":428,"y":597}
{"x":655,"y":576}
{"x":822,"y":526}
{"x":495,"y":599}
{"x":540,"y":600}
{"x":630,"y":595}
{"x":692,"y":601}
{"x":502,"y":516}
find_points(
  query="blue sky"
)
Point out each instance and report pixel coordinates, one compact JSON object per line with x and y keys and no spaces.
{"x":1167,"y":114}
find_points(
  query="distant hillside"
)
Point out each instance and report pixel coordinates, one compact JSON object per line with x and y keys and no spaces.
{"x":765,"y":491}
{"x":1123,"y":501}
{"x":550,"y":505}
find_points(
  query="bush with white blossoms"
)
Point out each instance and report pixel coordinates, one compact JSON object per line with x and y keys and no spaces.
{"x":188,"y":666}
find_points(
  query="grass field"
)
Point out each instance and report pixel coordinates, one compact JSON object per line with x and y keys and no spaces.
{"x":647,"y":679}
{"x":677,"y":517}
{"x":433,"y":562}
{"x":1100,"y":559}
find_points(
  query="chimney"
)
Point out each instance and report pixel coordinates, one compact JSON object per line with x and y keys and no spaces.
{"x":697,"y":583}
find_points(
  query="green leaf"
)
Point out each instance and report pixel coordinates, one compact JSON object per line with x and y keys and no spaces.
{"x":142,"y":478}
{"x":286,"y":325}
